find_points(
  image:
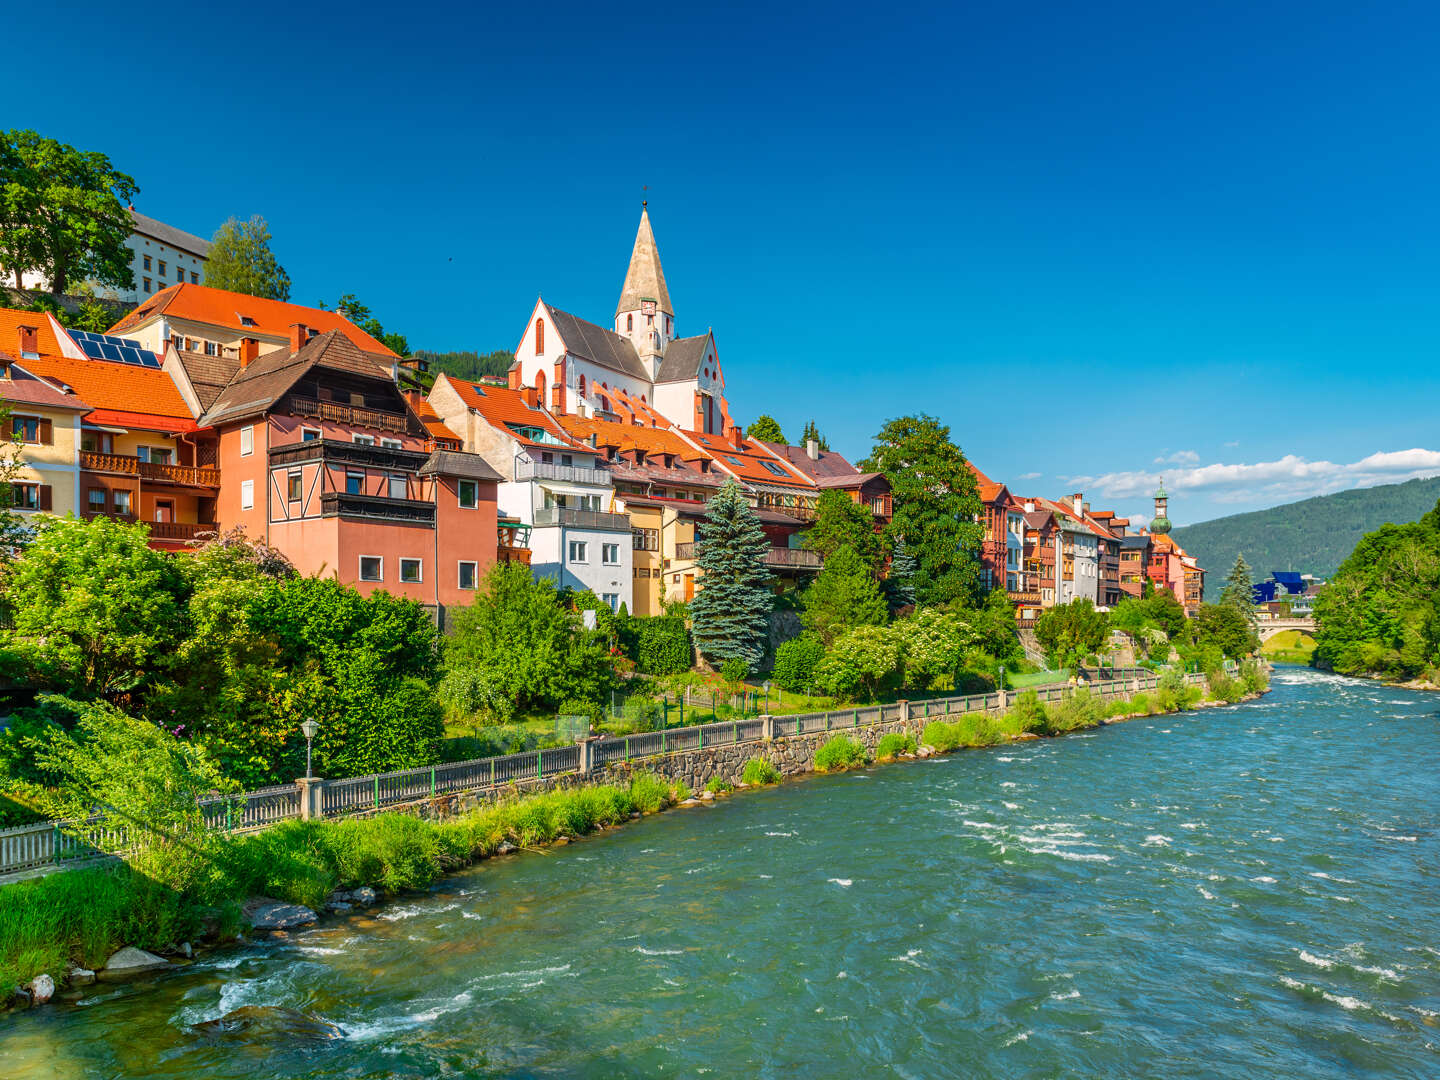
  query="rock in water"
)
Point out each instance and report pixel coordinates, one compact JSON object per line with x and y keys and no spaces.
{"x":80,"y":977}
{"x":131,"y":961}
{"x":269,"y":1022}
{"x":265,"y":913}
{"x":363,"y":896}
{"x":42,"y":989}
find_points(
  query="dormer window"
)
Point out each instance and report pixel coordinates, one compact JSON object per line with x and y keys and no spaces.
{"x":639,"y":456}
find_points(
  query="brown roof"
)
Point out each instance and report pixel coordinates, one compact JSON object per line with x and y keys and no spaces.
{"x":595,"y":343}
{"x":830,"y":464}
{"x":458,"y":463}
{"x":682,"y":358}
{"x":208,"y":375}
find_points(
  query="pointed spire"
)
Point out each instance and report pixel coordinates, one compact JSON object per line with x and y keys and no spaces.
{"x":644,"y":280}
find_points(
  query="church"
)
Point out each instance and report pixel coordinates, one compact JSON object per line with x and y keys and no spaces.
{"x":638,"y":372}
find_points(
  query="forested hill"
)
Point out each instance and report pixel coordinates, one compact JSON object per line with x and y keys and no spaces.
{"x":468,"y":365}
{"x":1313,"y":536}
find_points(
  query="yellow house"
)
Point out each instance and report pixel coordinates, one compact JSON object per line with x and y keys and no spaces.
{"x":42,"y":430}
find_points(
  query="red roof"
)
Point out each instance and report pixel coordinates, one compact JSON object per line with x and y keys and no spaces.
{"x":217,"y":307}
{"x":752,"y":460}
{"x":120,"y":394}
{"x":46,"y":340}
{"x":989,"y":489}
{"x":504,"y":407}
{"x":430,"y":418}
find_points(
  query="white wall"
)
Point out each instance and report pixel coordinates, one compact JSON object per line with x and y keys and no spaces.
{"x":550,"y":557}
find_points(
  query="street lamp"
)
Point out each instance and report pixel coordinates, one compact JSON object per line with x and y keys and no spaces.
{"x":309,"y":729}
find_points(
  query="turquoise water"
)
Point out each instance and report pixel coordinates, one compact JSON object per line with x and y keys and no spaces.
{"x":1240,"y":892}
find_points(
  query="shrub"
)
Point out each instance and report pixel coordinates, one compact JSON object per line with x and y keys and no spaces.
{"x":664,"y":647}
{"x":718,"y":785}
{"x":971,"y":729}
{"x":1254,"y":676}
{"x":1225,"y":688}
{"x":759,"y":770}
{"x":894,"y":744}
{"x":840,"y":753}
{"x":1027,"y":714}
{"x":796,"y":660}
{"x":734,"y":670}
{"x":649,"y":792}
{"x":1170,"y":691}
{"x":1079,"y":710}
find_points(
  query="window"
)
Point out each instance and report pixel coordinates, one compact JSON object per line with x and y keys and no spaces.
{"x":309,"y":434}
{"x":397,"y":488}
{"x":391,"y":444}
{"x":354,"y":483}
{"x":411,"y":571}
{"x":293,"y":486}
{"x":772,"y":467}
{"x":247,"y":441}
{"x":365,"y":440}
{"x":566,"y":459}
{"x":579,"y":551}
{"x":145,"y":283}
{"x":539,"y":337}
{"x":629,"y":322}
{"x":582,"y":385}
{"x":546,"y":458}
{"x":469,"y":496}
{"x":146,"y":260}
{"x":25,"y":496}
{"x":645,"y":539}
{"x":162,"y":267}
{"x":246,"y":320}
{"x":95,"y":500}
{"x":31,"y":429}
{"x":466,"y":577}
{"x":372,"y":568}
{"x":610,"y":554}
{"x":156,"y":455}
{"x":247,"y":494}
{"x":211,"y":349}
{"x":194,"y":278}
{"x":611,"y":599}
{"x":122,"y":502}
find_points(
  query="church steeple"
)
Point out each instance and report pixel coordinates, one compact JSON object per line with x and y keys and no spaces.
{"x":644,"y":314}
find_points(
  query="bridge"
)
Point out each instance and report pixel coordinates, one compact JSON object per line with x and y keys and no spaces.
{"x":1268,"y":628}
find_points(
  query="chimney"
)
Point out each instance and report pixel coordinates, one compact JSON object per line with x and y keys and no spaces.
{"x":734,"y":437}
{"x":531,"y":396}
{"x":299,"y":334}
{"x":1078,"y":502}
{"x":249,"y":350}
{"x":1029,"y":507}
{"x":512,"y":377}
{"x":812,"y":449}
{"x":1086,"y":506}
{"x":29,"y":341}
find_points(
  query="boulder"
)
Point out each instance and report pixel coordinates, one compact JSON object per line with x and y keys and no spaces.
{"x":42,"y":989}
{"x":264,"y":913}
{"x":506,"y":848}
{"x":338,"y":907}
{"x":269,"y":1022}
{"x":80,"y":977}
{"x":187,"y":950}
{"x":129,"y":962}
{"x":363,"y":896}
{"x":707,"y":796}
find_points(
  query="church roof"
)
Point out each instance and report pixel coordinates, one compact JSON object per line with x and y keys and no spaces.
{"x":682,"y":359}
{"x":598,"y":345}
{"x":644,"y":280}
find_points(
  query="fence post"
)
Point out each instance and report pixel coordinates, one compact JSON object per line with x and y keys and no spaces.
{"x":1003,"y":699}
{"x":767,"y":727}
{"x":312,"y":804}
{"x":587,"y":756}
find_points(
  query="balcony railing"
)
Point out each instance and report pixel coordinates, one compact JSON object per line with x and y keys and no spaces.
{"x":582,"y":519}
{"x":129,"y":465}
{"x":575,"y":474}
{"x":180,"y":530}
{"x":378,"y":507}
{"x":342,"y":452}
{"x":347,"y":414}
{"x":1025,"y":596}
{"x":786,"y":557}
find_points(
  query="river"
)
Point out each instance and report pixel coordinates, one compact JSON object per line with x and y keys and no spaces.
{"x":1238,"y":892}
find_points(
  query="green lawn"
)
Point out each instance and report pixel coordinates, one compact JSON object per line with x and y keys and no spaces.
{"x":1038,"y":678}
{"x":1289,"y":646}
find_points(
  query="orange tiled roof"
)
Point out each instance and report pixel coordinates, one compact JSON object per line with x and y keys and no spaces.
{"x":45,"y":338}
{"x":430,"y":418}
{"x":751,"y":461}
{"x":503,"y":407}
{"x":989,"y":489}
{"x":120,"y":394}
{"x":652,"y":440}
{"x":202,"y":304}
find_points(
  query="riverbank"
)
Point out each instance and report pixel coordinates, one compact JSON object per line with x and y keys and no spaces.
{"x":72,"y":922}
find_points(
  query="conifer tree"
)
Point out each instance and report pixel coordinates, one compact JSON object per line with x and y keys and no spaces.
{"x":813,"y":432}
{"x":900,"y":585}
{"x":843,"y":597}
{"x":731,"y":612}
{"x":1239,"y":591}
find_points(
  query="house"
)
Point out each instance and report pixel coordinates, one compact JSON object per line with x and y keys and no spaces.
{"x":1003,"y":548}
{"x":44,"y":418}
{"x":550,"y":483}
{"x":232,"y":326}
{"x":635,"y":367}
{"x":830,"y":470}
{"x":1134,"y":561}
{"x":1170,"y":567}
{"x":325,"y":459}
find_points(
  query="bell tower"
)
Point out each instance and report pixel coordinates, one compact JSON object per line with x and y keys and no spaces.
{"x":644,"y":313}
{"x":1161,"y":523}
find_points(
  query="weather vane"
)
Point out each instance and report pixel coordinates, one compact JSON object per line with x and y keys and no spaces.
{"x":644,"y":202}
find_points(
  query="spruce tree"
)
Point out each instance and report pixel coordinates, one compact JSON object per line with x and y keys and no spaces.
{"x":1239,"y":591}
{"x":843,"y":597}
{"x":900,"y":585}
{"x":813,"y":432}
{"x":731,"y":612}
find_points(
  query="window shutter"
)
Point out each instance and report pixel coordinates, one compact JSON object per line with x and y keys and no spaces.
{"x":47,"y":432}
{"x":46,"y":501}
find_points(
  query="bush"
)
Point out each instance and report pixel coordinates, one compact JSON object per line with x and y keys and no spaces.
{"x":734,"y":670}
{"x":1225,"y":688}
{"x":1255,"y":677}
{"x":649,"y":792}
{"x":664,"y":646}
{"x":893,"y":745}
{"x":795,"y":662}
{"x":718,"y":785}
{"x":1079,"y":710}
{"x":1170,"y":691}
{"x":840,"y":753}
{"x":1027,"y":714}
{"x":758,"y":771}
{"x":971,"y":729}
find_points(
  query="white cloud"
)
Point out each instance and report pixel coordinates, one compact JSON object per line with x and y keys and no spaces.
{"x":1232,"y":444}
{"x":1290,"y":477}
{"x":1180,"y":457}
{"x":1028,"y":476}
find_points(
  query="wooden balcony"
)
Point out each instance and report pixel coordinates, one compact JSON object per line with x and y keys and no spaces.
{"x":347,"y":414}
{"x":176,"y":531}
{"x":128,"y":465}
{"x":782,"y":558}
{"x":377,"y":508}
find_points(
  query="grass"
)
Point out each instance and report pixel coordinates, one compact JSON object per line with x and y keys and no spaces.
{"x":718,"y":785}
{"x":1024,"y":681}
{"x":759,"y":771}
{"x":1289,"y":647}
{"x":893,"y":745}
{"x":840,"y":753}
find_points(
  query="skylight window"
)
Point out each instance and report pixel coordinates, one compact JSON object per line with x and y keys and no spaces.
{"x":733,"y":460}
{"x":246,"y":320}
{"x":478,"y":389}
{"x":773,"y":468}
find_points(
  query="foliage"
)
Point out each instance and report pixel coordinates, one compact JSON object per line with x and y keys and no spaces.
{"x":350,"y":306}
{"x":796,"y":660}
{"x":718,"y":785}
{"x":63,"y":213}
{"x":813,"y":432}
{"x":1255,"y":676}
{"x":971,"y":729}
{"x":842,"y":522}
{"x":758,"y":771}
{"x":1314,"y":535}
{"x":1224,"y":628}
{"x":468,"y":366}
{"x":843,"y":596}
{"x":526,"y":650}
{"x":11,"y":524}
{"x":900,"y":582}
{"x":1027,"y":714}
{"x":839,"y":753}
{"x":1239,"y":591}
{"x":1070,"y":632}
{"x":1075,"y":711}
{"x":1225,"y":687}
{"x":664,"y":646}
{"x":767,"y":429}
{"x":241,"y":261}
{"x":730,"y":615}
{"x":936,"y":506}
{"x":96,"y":610}
{"x":1174,"y":694}
{"x":866,"y":658}
{"x":933,"y":643}
{"x":893,"y":744}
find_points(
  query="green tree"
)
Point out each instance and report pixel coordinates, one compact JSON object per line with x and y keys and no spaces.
{"x":936,"y":506}
{"x":867,"y":658}
{"x":1225,"y":629}
{"x":730,"y":615}
{"x":796,"y":660}
{"x":518,"y":648}
{"x":241,"y":261}
{"x":843,"y":596}
{"x":813,"y":432}
{"x":842,"y":522}
{"x":97,"y":612}
{"x":350,"y":306}
{"x":63,"y":213}
{"x":10,"y":523}
{"x":1166,"y":613}
{"x":1239,"y":591}
{"x":900,"y":582}
{"x":1070,"y":632}
{"x":934,"y":643}
{"x":767,"y":429}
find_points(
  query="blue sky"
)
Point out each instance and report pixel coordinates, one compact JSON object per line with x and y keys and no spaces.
{"x":1103,"y":242}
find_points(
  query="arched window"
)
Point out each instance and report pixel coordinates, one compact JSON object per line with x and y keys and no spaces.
{"x":540,"y":385}
{"x":629,"y":322}
{"x":539,"y":337}
{"x":582,"y":385}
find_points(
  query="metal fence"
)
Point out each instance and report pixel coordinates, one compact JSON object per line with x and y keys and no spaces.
{"x":66,"y":843}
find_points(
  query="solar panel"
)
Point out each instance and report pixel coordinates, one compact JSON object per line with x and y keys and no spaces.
{"x":92,"y":349}
{"x":79,"y":335}
{"x":129,"y":341}
{"x":129,"y":355}
{"x":108,"y":351}
{"x":148,"y":359}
